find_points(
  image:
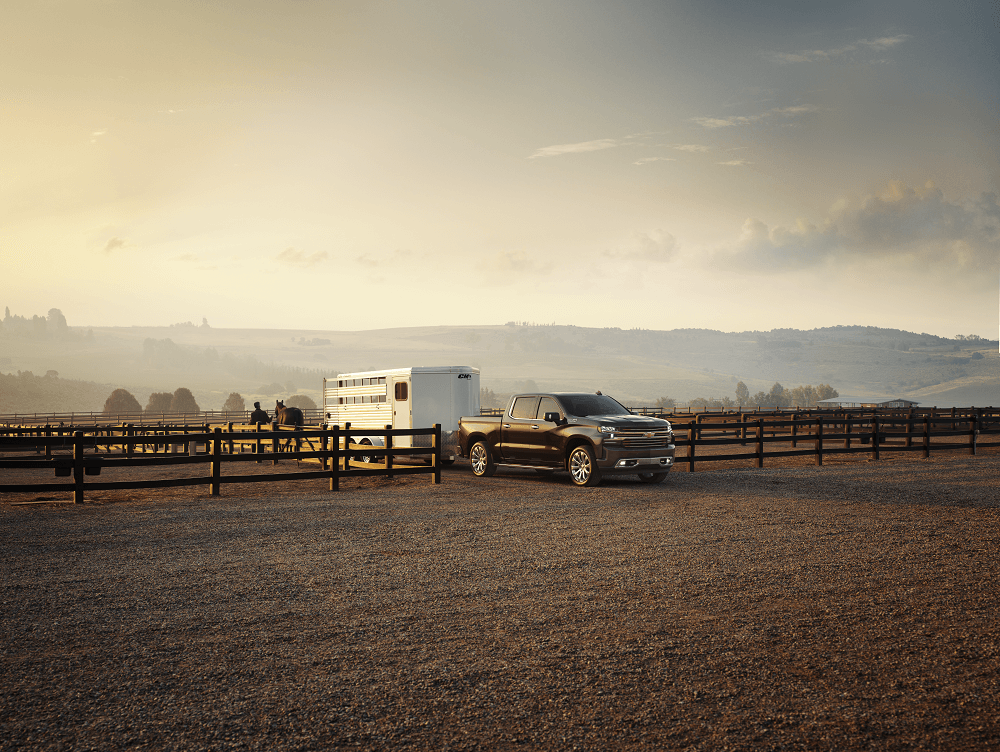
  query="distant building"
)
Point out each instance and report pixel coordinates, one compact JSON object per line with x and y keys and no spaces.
{"x":854,"y":402}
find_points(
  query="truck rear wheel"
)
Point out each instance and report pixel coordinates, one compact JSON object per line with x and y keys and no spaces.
{"x":582,"y":467}
{"x":481,"y":459}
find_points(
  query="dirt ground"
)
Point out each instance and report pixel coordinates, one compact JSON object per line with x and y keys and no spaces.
{"x":851,"y":606}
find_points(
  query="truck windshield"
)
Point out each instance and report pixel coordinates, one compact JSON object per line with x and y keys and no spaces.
{"x":586,"y":405}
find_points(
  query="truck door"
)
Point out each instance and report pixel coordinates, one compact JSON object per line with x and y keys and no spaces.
{"x":518,"y":425}
{"x":545,"y":439}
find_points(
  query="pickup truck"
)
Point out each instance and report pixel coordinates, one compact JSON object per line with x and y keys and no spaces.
{"x":588,"y":435}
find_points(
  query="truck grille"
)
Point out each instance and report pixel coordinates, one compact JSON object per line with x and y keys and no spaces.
{"x":638,"y":439}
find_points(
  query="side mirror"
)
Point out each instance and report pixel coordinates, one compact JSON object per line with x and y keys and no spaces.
{"x":551,"y":417}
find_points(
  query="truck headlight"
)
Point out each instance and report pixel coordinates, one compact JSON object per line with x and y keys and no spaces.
{"x":609,"y":430}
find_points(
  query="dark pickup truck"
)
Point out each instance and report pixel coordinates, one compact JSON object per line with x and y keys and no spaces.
{"x":589,"y":435}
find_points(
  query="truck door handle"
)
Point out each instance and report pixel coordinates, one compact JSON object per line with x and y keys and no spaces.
{"x":506,"y":425}
{"x":535,"y":427}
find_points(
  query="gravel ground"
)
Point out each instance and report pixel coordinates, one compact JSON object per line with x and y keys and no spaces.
{"x":846,"y":607}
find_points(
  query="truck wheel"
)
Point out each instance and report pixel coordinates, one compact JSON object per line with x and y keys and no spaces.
{"x":582,"y":468}
{"x":652,"y":477}
{"x":483,"y":465}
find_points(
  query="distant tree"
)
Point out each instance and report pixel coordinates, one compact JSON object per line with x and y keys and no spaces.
{"x":666,"y":403}
{"x":159,"y":402}
{"x":760,"y":398}
{"x":51,"y":374}
{"x":235,"y":403}
{"x":301,"y":401}
{"x":487,"y":398}
{"x":271,"y":389}
{"x":825,"y":391}
{"x":121,"y":401}
{"x":742,"y":394}
{"x":57,"y":321}
{"x":183,"y":402}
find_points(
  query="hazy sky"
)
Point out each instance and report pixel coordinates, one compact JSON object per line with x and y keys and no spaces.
{"x":355,"y":165}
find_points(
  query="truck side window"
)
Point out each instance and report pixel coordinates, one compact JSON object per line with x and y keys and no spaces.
{"x":401,"y":391}
{"x":548,"y":405}
{"x":524,"y":407}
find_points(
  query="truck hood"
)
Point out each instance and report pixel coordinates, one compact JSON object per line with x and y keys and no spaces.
{"x":632,"y":421}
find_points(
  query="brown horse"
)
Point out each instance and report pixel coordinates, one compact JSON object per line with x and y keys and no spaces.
{"x":289,"y":416}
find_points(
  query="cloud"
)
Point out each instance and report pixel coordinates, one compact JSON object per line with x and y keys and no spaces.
{"x":389,"y":259}
{"x":115,"y":244}
{"x":738,"y":120}
{"x":187,"y":258}
{"x":579,"y":148}
{"x":910,"y":226}
{"x":293,"y":257}
{"x":735,"y":163}
{"x":693,"y":148}
{"x":647,"y":160}
{"x":881,"y":44}
{"x":655,"y":246}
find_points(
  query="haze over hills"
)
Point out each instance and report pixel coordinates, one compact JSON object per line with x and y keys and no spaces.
{"x":637,"y":366}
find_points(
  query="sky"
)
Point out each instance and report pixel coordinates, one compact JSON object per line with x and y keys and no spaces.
{"x":360,"y":165}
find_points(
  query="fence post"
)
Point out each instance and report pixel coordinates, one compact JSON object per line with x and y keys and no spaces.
{"x":874,"y":436}
{"x":217,"y":462}
{"x":275,"y":442}
{"x":388,"y":452}
{"x":335,"y":459}
{"x":229,"y":428}
{"x":258,"y":448}
{"x":909,"y":429}
{"x":324,"y":444}
{"x":78,"y":467}
{"x":795,"y":429}
{"x":973,"y":430}
{"x":819,"y":440}
{"x":436,"y":456}
{"x":692,"y":433}
{"x":48,"y":446}
{"x":760,"y":442}
{"x":347,"y":446}
{"x":927,"y":436}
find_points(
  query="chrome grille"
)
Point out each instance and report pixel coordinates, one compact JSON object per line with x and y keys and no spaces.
{"x":630,"y":438}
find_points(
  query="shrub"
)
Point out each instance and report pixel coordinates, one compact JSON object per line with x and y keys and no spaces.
{"x":235,"y":403}
{"x":183,"y":402}
{"x":121,"y":401}
{"x":159,"y":402}
{"x":301,"y":401}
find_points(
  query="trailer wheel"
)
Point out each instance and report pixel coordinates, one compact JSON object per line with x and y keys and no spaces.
{"x":365,"y":457}
{"x":582,"y":467}
{"x":481,"y":459}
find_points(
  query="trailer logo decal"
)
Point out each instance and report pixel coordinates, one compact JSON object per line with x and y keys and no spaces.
{"x":465,"y":375}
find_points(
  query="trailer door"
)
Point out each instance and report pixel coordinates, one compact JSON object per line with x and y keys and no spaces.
{"x":402,"y":404}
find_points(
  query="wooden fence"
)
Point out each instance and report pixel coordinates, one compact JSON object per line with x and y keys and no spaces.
{"x":710,"y":438}
{"x":311,"y":416}
{"x":126,"y":446}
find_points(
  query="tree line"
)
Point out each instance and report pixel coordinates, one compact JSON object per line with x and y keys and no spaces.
{"x":181,"y":400}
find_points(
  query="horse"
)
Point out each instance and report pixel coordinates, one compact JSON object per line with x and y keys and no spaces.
{"x":290,"y":416}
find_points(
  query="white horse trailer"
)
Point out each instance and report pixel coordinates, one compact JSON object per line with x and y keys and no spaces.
{"x":416,"y":397}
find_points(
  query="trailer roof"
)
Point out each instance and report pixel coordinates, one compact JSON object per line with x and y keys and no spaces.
{"x":406,"y":371}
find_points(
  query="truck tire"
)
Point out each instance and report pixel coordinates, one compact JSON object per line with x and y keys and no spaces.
{"x":481,"y":460}
{"x":652,"y":477}
{"x":583,"y":469}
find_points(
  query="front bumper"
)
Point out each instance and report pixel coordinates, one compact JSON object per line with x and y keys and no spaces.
{"x":632,"y":461}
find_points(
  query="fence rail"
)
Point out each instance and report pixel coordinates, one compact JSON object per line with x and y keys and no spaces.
{"x":311,"y":416}
{"x":145,"y":446}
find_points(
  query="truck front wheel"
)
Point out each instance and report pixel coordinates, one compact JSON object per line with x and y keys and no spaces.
{"x":483,"y":465}
{"x":582,"y":468}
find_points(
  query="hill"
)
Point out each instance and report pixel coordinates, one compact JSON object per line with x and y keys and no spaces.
{"x":638,"y":366}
